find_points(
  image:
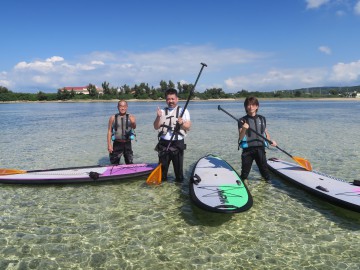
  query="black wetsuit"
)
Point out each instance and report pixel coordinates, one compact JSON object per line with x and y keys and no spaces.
{"x":254,"y":147}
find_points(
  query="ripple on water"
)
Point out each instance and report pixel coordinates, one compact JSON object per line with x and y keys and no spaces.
{"x":132,"y":226}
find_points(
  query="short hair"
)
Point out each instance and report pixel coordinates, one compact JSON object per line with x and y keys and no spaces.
{"x":171,"y":91}
{"x":122,"y":100}
{"x":251,"y":101}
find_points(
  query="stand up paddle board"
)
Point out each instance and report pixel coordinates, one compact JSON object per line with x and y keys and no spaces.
{"x":215,"y":186}
{"x":331,"y":189}
{"x":77,"y":174}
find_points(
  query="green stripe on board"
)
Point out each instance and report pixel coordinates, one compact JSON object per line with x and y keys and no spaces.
{"x":233,"y":195}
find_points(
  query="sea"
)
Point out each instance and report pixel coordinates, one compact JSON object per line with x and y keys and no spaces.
{"x":130,"y":225}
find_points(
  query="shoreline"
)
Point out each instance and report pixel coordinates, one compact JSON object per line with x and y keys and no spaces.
{"x":200,"y":100}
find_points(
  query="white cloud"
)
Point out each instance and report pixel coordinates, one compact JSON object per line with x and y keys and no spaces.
{"x":315,"y":3}
{"x":55,"y":59}
{"x":176,"y":63}
{"x":4,"y":83}
{"x":341,"y":4}
{"x":357,"y":8}
{"x":41,"y":66}
{"x":40,"y":79}
{"x":280,"y":79}
{"x":346,"y":72}
{"x":325,"y":49}
{"x":101,"y":63}
{"x":277,"y":79}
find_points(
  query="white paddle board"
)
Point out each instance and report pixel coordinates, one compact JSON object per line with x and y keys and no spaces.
{"x":215,"y":186}
{"x":334,"y":190}
{"x":73,"y":175}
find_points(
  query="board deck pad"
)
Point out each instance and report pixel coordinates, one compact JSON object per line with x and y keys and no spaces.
{"x":331,"y":189}
{"x":85,"y":174}
{"x":215,"y":186}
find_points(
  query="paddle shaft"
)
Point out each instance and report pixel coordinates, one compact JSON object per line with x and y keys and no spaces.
{"x":257,"y":133}
{"x":193,"y":89}
{"x":177,"y":126}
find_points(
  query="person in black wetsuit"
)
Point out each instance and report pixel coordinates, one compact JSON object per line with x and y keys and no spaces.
{"x":253,"y":145}
{"x":120,"y":133}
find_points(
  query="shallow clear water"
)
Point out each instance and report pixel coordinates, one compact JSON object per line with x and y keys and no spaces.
{"x":129,"y":225}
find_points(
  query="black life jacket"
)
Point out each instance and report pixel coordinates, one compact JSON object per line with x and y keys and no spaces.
{"x":122,"y":130}
{"x":251,"y":139}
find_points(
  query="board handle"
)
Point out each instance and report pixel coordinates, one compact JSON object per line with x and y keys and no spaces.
{"x":196,"y":179}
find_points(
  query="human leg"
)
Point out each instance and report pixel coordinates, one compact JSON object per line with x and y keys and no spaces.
{"x":178,"y":160}
{"x":177,"y":155}
{"x":261,"y":162}
{"x":116,"y":154}
{"x":246,"y":163}
{"x":164,"y":158}
{"x":128,"y":153}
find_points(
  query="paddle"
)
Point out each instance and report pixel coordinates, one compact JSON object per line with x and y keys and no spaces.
{"x":156,"y":175}
{"x":301,"y":161}
{"x":11,"y":171}
{"x":177,"y":126}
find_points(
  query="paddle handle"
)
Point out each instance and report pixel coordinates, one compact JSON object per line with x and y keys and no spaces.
{"x":177,"y":126}
{"x":257,"y":133}
{"x":193,"y":89}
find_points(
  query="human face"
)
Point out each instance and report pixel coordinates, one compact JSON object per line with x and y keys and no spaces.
{"x":171,"y":100}
{"x":122,"y":106}
{"x":251,"y":109}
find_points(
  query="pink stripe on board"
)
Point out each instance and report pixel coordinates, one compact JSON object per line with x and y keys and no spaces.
{"x":127,"y":169}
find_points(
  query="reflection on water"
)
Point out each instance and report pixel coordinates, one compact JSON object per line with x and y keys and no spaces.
{"x":130,"y":225}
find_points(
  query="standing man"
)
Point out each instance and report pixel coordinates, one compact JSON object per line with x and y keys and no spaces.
{"x":172,"y":131}
{"x":120,"y":133}
{"x":253,"y":145}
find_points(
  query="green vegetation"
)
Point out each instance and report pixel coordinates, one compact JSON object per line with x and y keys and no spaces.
{"x":144,"y":91}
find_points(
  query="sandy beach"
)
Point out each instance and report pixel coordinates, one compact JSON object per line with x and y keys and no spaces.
{"x":198,"y":100}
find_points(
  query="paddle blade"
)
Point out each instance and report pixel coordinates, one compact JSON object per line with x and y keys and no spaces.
{"x":155,"y":176}
{"x":11,"y":171}
{"x":303,"y":163}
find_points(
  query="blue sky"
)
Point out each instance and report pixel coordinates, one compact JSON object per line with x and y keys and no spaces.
{"x":257,"y":45}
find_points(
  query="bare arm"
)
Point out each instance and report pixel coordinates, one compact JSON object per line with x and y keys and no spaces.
{"x":185,"y":125}
{"x":157,"y":123}
{"x":267,"y":134}
{"x":132,"y":121}
{"x":242,"y":130}
{"x":109,"y":134}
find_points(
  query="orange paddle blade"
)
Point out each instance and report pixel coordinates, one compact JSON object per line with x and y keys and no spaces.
{"x":11,"y":171}
{"x":155,"y":176}
{"x":303,"y":163}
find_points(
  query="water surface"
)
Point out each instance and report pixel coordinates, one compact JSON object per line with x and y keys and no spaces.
{"x":130,"y":225}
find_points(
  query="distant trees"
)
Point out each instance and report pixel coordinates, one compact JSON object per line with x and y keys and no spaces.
{"x":63,"y":94}
{"x":214,"y":93}
{"x":297,"y":93}
{"x":92,"y":90}
{"x":145,"y":91}
{"x":106,"y":88}
{"x":41,"y":96}
{"x":4,"y":90}
{"x":333,"y":92}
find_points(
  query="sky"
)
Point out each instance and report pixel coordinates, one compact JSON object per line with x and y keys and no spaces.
{"x":253,"y":45}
